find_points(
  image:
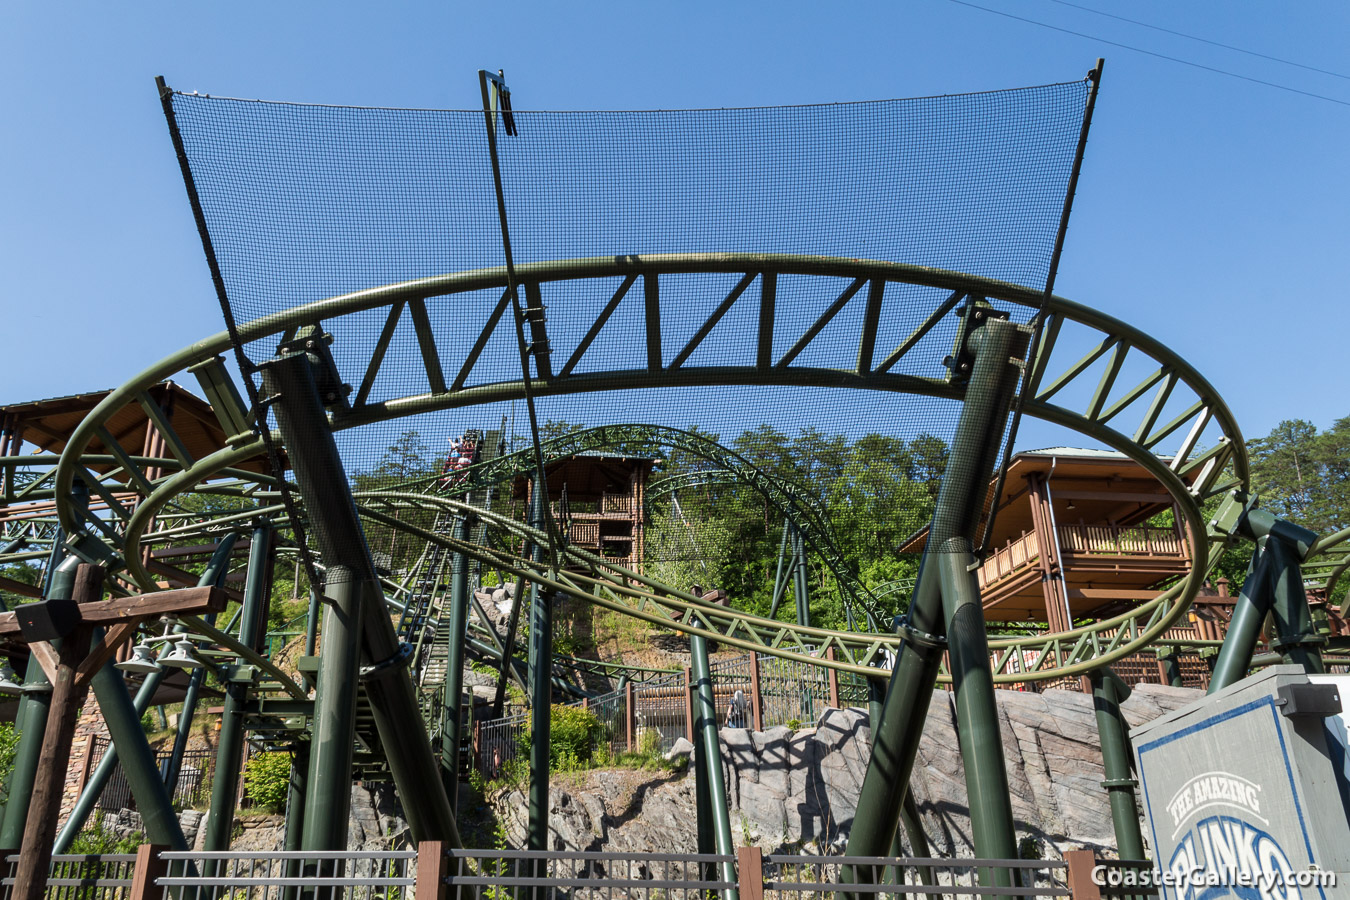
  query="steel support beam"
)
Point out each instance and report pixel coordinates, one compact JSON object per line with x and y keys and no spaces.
{"x":705,"y":724}
{"x":356,"y":615}
{"x":214,"y":576}
{"x":960,"y":503}
{"x":230,"y":747}
{"x":452,"y":709}
{"x":1108,"y":692}
{"x":541,"y":692}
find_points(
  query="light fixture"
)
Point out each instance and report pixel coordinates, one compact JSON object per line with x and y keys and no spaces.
{"x":142,"y":661}
{"x":182,"y":656}
{"x":9,"y":679}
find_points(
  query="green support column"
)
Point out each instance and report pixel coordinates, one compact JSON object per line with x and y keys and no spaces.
{"x":801,"y":577}
{"x":541,"y":696}
{"x":1108,"y":692}
{"x":1172,"y":669}
{"x":895,"y":738}
{"x":34,"y":706}
{"x":358,"y":637}
{"x":230,"y":748}
{"x":214,"y":576}
{"x":977,"y":727}
{"x":1244,"y":627}
{"x":1295,"y":638}
{"x":705,"y":726}
{"x":295,"y":814}
{"x":452,"y":703}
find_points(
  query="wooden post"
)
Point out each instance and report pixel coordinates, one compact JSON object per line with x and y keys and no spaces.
{"x":150,"y":866}
{"x":750,"y":873}
{"x":689,"y":704}
{"x":1081,"y":884}
{"x":433,"y":870}
{"x":756,"y":699}
{"x":833,"y":675}
{"x":44,"y":808}
{"x":629,"y":715}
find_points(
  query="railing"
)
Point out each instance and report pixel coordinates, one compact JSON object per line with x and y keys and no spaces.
{"x":1138,"y":540}
{"x":81,"y":877}
{"x":1014,"y":557}
{"x":436,"y":871}
{"x":280,"y":875}
{"x":653,"y":714}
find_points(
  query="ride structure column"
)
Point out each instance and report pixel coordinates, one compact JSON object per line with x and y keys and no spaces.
{"x":452,"y":702}
{"x":230,"y":748}
{"x":356,"y":624}
{"x":541,"y":688}
{"x":1108,"y":692}
{"x":713,"y":790}
{"x":986,"y":356}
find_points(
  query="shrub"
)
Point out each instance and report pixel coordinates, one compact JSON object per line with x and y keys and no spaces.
{"x":267,"y":778}
{"x":9,"y":745}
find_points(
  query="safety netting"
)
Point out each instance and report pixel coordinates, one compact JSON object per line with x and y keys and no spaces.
{"x":304,"y":203}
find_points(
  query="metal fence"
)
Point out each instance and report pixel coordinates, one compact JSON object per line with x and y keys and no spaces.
{"x":80,"y":877}
{"x":749,"y":691}
{"x":281,"y":875}
{"x":551,"y":874}
{"x":193,"y":786}
{"x":789,"y":876}
{"x":435,"y":871}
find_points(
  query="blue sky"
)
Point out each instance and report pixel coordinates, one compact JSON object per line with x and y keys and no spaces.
{"x":1212,"y":212}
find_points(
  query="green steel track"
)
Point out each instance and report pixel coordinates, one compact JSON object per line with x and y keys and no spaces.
{"x":1128,"y":418}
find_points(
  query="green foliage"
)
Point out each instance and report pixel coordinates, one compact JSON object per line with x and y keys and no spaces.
{"x":267,"y":778}
{"x":1303,"y":475}
{"x":573,"y":733}
{"x":408,"y":459}
{"x":97,"y":839}
{"x":9,"y":745}
{"x":22,"y":573}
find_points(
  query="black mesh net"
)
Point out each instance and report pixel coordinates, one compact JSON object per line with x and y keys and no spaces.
{"x":303,"y":203}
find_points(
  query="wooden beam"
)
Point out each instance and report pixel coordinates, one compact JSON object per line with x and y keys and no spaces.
{"x":188,"y":601}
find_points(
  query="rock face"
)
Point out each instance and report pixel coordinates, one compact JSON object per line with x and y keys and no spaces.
{"x":799,"y":789}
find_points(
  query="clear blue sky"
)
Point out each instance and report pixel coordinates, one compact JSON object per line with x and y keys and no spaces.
{"x":1212,"y":212}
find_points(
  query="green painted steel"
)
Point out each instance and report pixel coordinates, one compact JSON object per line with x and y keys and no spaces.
{"x":541,"y":691}
{"x":452,"y":702}
{"x":214,"y":575}
{"x":357,"y":617}
{"x":230,"y":745}
{"x":1295,"y":638}
{"x":960,"y":503}
{"x":1108,"y":692}
{"x":705,"y":725}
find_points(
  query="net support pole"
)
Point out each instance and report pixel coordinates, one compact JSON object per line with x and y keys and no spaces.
{"x":214,"y":576}
{"x":230,"y":748}
{"x":895,"y":739}
{"x":1108,"y":692}
{"x":1244,"y":627}
{"x":705,"y":726}
{"x":356,"y":630}
{"x":541,"y":690}
{"x":452,"y":705}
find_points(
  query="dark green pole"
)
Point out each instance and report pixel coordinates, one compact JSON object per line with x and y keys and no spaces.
{"x":977,"y":728}
{"x":1172,"y":668}
{"x":1296,"y":638}
{"x":230,"y":748}
{"x":910,"y":820}
{"x":801,"y":578}
{"x":1108,"y":692}
{"x":895,"y":738}
{"x":1244,"y":627}
{"x":452,"y":708}
{"x":356,"y":630}
{"x":541,"y":692}
{"x":705,"y":724}
{"x":34,"y":706}
{"x":214,"y":575}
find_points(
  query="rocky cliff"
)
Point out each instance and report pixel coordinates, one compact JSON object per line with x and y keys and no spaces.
{"x":799,"y":789}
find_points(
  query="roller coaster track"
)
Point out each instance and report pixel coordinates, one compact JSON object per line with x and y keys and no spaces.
{"x":790,"y":500}
{"x":1129,"y":419}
